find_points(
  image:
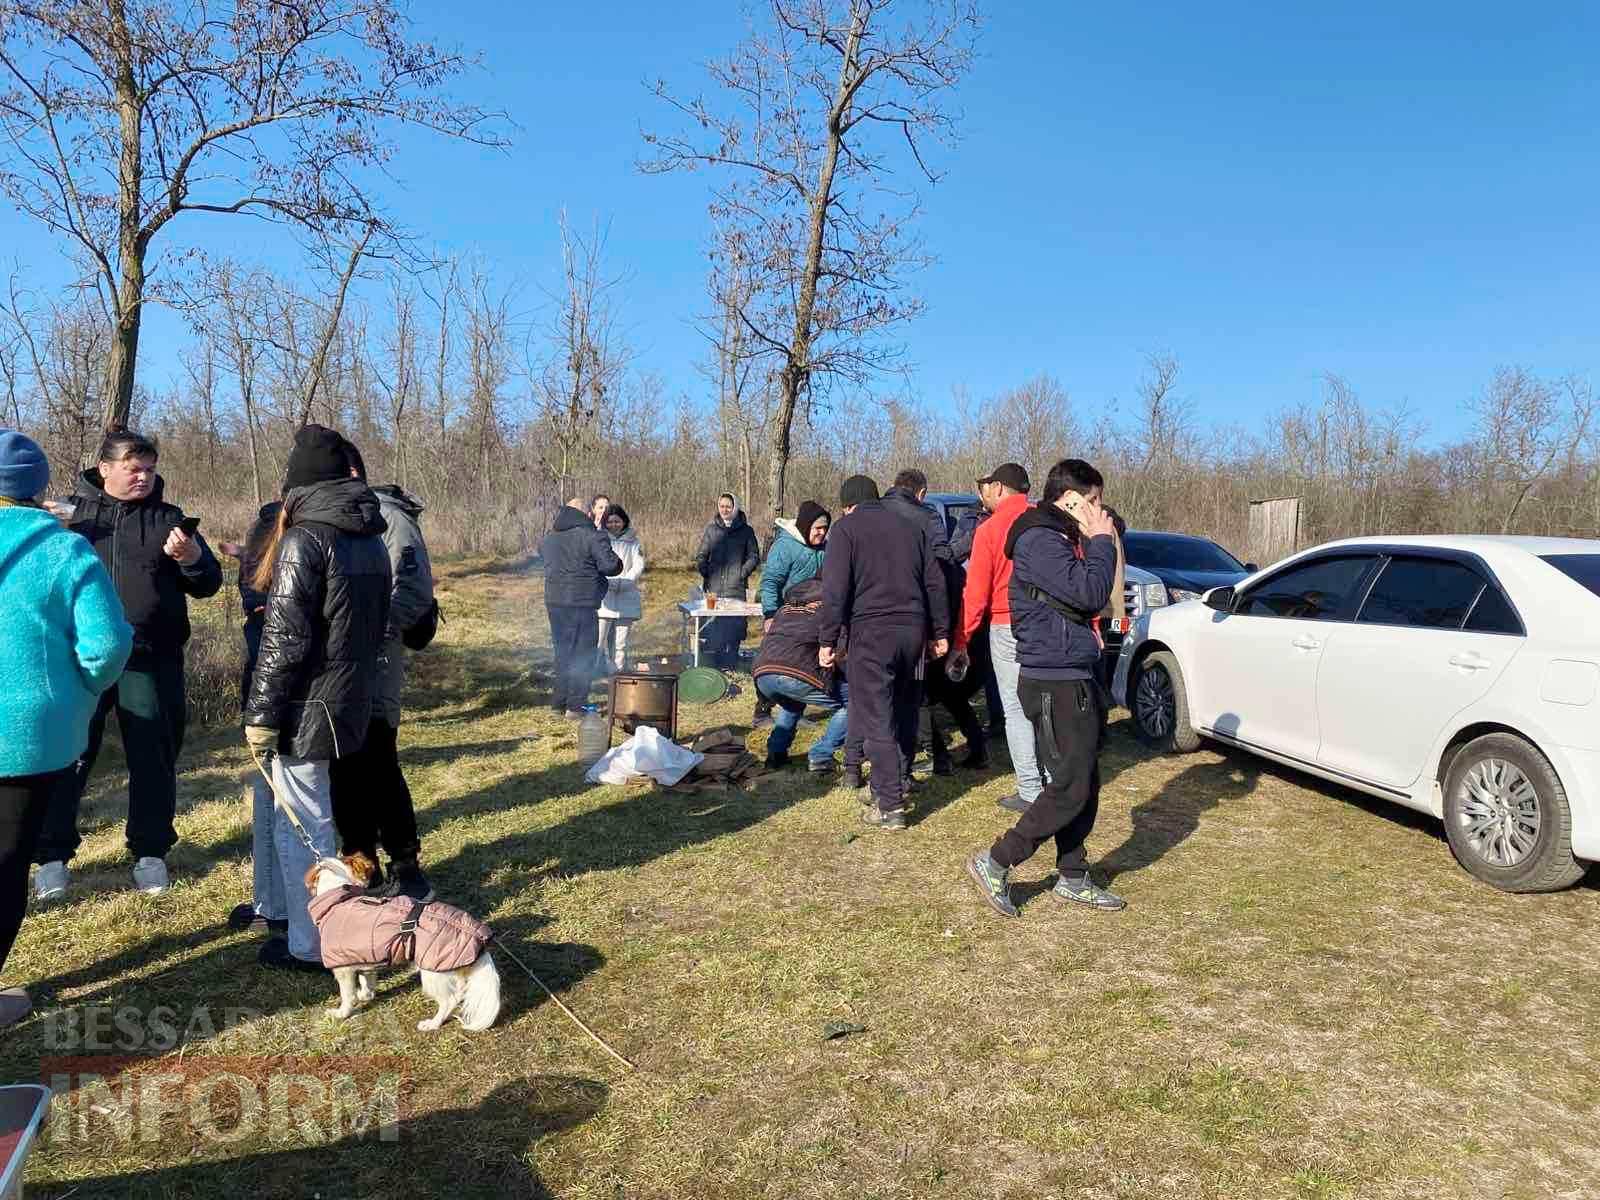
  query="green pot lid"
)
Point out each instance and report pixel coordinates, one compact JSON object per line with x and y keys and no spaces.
{"x":702,"y":685}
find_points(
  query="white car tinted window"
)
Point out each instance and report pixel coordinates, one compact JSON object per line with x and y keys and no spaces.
{"x":1316,"y":591}
{"x":1429,"y":593}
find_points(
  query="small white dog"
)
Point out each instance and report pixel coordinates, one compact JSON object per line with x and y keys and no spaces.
{"x":361,"y":933}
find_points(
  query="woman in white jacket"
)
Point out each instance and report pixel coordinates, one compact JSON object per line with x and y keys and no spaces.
{"x":623,"y":604}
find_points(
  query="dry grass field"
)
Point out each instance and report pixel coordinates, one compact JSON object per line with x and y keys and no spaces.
{"x":1305,"y":999}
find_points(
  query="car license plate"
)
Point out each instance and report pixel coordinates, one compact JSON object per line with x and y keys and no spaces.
{"x":1119,"y":624}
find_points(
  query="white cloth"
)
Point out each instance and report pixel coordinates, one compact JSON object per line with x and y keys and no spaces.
{"x":624,"y":599}
{"x":645,"y":753}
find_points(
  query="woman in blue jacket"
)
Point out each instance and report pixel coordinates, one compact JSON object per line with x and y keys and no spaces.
{"x":63,"y":642}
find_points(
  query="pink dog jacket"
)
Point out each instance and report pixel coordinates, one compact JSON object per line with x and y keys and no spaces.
{"x":359,"y":930}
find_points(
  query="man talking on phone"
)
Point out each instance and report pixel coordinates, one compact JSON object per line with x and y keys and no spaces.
{"x":1064,"y":560}
{"x":157,"y":560}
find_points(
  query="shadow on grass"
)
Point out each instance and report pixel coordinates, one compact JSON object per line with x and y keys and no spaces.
{"x":483,"y":1149}
{"x":1169,"y":818}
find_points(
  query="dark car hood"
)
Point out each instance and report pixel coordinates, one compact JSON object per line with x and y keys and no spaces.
{"x":1196,"y":581}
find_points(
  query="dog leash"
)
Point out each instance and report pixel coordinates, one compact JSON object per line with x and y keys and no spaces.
{"x":261,"y":765}
{"x":576,"y":1020}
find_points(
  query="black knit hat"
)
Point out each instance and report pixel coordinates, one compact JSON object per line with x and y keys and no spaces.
{"x":858,"y":489}
{"x":319,"y":456}
{"x":810,"y":513}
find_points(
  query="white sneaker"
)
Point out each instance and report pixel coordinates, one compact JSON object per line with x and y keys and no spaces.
{"x":50,"y":882}
{"x":150,"y":876}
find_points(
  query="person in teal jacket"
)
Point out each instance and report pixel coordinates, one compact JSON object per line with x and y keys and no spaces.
{"x":795,"y":557}
{"x":63,"y":641}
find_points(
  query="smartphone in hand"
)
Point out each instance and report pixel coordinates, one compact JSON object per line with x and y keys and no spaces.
{"x":189,"y":525}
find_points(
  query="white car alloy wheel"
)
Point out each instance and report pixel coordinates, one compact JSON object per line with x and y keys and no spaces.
{"x":1498,"y":812}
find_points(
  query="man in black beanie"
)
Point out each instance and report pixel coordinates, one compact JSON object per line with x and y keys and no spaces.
{"x":882,"y":583}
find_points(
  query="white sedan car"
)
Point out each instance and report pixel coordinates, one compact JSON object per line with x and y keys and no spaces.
{"x":1455,"y":675}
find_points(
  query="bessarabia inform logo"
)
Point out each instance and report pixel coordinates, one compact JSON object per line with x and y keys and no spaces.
{"x":115,"y":1075}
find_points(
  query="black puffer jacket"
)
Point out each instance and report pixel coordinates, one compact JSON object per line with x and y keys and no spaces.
{"x":128,"y":535}
{"x":317,"y":672}
{"x":729,"y":555}
{"x":578,"y":560}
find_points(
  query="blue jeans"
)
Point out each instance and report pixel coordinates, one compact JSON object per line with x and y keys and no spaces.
{"x":305,"y":785}
{"x":1019,"y":730}
{"x":792,"y":696}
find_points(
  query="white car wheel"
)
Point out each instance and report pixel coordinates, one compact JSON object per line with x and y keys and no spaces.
{"x":1506,"y":816}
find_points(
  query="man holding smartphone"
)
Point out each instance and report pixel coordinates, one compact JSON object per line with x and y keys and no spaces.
{"x":157,"y":560}
{"x":1064,"y":560}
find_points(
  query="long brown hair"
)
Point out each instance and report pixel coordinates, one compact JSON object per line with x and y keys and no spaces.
{"x":262,"y":579}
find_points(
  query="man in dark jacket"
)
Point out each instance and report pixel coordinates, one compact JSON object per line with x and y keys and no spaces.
{"x":371,"y":801}
{"x":908,"y":499}
{"x":156,"y":565}
{"x":729,"y":555}
{"x":881,"y":580}
{"x":787,"y":672}
{"x":1064,"y":559}
{"x":578,"y":560}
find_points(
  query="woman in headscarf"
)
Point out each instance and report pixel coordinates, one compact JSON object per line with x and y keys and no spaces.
{"x":624,"y":603}
{"x":729,"y":555}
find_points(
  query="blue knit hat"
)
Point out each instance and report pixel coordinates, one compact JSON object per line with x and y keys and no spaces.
{"x":24,"y":470}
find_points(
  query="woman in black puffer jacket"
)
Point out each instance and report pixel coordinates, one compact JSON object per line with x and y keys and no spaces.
{"x":326,"y":575}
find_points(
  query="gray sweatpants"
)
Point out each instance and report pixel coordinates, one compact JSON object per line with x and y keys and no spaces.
{"x":281,"y":857}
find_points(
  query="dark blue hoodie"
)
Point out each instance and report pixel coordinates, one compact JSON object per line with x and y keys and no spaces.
{"x":578,"y":560}
{"x":1044,"y":554}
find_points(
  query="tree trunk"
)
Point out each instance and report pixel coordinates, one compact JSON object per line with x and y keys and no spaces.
{"x":796,"y":371}
{"x":129,"y":299}
{"x":250,"y":438}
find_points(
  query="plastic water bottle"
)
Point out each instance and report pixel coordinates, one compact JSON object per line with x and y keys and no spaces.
{"x":594,"y":736}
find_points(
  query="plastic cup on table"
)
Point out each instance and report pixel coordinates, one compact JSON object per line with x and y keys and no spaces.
{"x":711,"y":599}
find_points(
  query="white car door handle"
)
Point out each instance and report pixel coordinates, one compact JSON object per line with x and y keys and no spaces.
{"x":1470,"y":662}
{"x":1306,"y":643}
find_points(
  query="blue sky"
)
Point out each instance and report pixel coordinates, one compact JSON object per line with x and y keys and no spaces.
{"x":1402,"y":194}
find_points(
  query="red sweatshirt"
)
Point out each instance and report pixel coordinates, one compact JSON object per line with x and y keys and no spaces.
{"x":988,"y":592}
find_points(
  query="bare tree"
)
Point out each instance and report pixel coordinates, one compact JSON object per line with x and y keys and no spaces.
{"x":584,"y":356}
{"x":120,"y":115}
{"x":1524,"y":426}
{"x":813,"y":105}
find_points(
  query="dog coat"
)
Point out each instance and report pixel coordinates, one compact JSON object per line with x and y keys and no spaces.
{"x":360,"y":930}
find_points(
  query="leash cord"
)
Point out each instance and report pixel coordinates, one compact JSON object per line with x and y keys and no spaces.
{"x":283,"y":805}
{"x":576,"y":1020}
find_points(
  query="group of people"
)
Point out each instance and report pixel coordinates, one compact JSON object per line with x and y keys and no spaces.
{"x":866,"y":618}
{"x":334,"y":580}
{"x":875,"y":616}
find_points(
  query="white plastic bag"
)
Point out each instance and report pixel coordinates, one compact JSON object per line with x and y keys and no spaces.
{"x":645,"y":753}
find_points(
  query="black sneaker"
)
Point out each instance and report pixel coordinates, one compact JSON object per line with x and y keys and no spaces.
{"x":825,"y":767}
{"x":245,"y":919}
{"x":407,"y":881}
{"x":1087,"y":892}
{"x":776,"y":762}
{"x":276,"y":954}
{"x":1014,"y":803}
{"x":943,"y":765}
{"x":991,"y":881}
{"x":853,"y":779}
{"x":891,"y":820}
